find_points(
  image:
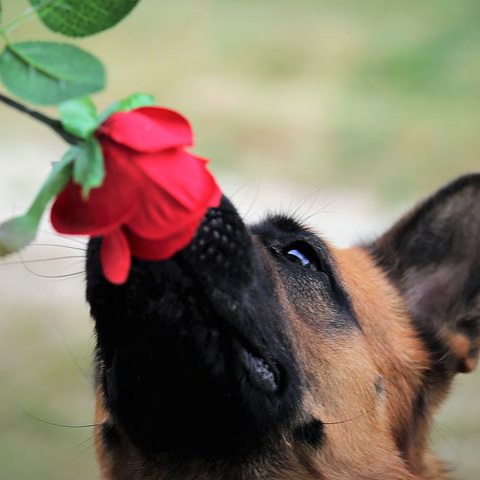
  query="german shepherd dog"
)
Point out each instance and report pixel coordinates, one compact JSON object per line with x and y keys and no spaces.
{"x":263,"y":353}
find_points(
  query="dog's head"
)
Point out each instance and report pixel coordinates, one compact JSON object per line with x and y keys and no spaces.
{"x":261,"y":352}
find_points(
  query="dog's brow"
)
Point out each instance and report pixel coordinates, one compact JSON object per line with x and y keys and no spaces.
{"x":283,"y":226}
{"x":286,"y":223}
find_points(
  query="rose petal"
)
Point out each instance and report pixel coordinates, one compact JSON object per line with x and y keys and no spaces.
{"x":159,"y":215}
{"x":107,"y":207}
{"x":180,"y":174}
{"x":178,"y":189}
{"x":164,"y":248}
{"x":148,"y":129}
{"x":115,"y":257}
{"x":215,"y":199}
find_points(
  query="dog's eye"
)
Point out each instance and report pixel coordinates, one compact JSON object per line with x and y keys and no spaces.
{"x":302,"y":255}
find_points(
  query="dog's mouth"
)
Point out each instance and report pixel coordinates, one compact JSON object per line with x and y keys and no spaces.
{"x":263,"y":375}
{"x":221,"y":330}
{"x":260,"y":369}
{"x":192,"y":351}
{"x":241,"y":352}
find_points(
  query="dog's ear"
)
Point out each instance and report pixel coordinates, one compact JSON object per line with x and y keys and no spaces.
{"x":433,"y":256}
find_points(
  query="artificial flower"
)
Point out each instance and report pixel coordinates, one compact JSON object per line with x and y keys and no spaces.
{"x":154,"y":195}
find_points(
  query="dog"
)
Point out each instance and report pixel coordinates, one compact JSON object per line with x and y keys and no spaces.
{"x":263,"y":353}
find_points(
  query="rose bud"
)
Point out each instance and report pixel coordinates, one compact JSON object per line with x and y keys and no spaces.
{"x":154,"y":195}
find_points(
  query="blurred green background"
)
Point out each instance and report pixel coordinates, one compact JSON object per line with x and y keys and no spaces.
{"x":300,"y":104}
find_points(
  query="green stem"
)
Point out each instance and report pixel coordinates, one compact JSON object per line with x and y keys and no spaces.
{"x":54,"y":124}
{"x":27,"y":15}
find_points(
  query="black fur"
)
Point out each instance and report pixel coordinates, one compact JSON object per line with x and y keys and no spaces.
{"x":311,"y":433}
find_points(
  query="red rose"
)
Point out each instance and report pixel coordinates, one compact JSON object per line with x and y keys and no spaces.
{"x":154,"y":194}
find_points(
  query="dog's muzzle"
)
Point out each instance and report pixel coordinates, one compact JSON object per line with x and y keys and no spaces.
{"x":194,"y":354}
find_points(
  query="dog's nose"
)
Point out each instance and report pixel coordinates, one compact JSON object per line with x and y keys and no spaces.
{"x":221,"y":251}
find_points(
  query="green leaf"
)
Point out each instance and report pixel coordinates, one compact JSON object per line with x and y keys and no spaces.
{"x":49,"y":73}
{"x":20,"y":231}
{"x":136,"y":100}
{"x":16,"y":234}
{"x":89,"y":169}
{"x":78,"y":116}
{"x":80,"y":18}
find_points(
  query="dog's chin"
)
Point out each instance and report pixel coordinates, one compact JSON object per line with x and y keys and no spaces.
{"x":193,"y":356}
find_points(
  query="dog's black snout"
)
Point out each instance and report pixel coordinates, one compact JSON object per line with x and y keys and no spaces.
{"x":221,"y":251}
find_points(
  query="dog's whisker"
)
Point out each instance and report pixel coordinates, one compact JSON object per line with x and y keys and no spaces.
{"x":39,"y":260}
{"x":77,"y":263}
{"x":86,"y":444}
{"x":239,"y":189}
{"x":72,"y":356}
{"x":357,"y":417}
{"x":25,"y":265}
{"x":66,"y":275}
{"x":295,"y":209}
{"x":58,"y":245}
{"x":253,"y":201}
{"x":319,"y":211}
{"x":308,"y":214}
{"x":60,"y":425}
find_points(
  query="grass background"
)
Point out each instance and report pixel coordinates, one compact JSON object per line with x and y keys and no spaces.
{"x":374,"y":102}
